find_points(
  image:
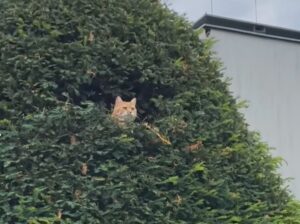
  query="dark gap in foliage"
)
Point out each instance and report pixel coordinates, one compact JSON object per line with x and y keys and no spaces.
{"x":69,"y":37}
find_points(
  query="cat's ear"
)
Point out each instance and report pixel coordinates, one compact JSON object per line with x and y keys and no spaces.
{"x":118,"y":100}
{"x":133,"y":101}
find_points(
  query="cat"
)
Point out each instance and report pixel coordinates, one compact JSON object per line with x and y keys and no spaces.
{"x":124,"y":111}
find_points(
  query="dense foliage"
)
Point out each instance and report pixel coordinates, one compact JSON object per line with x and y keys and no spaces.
{"x":62,"y":158}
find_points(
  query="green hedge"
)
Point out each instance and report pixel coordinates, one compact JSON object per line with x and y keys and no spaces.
{"x":62,"y":158}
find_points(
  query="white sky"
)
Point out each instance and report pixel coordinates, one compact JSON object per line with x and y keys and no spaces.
{"x":282,"y":13}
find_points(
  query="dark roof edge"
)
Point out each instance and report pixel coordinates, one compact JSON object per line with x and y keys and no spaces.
{"x":257,"y":29}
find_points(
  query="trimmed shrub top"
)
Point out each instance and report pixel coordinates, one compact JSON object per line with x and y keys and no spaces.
{"x":63,"y":159}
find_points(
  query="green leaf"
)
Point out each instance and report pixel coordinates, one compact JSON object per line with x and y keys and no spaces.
{"x":198,"y":167}
{"x":171,"y":180}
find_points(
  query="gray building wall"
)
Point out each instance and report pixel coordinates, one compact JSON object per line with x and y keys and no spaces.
{"x":266,"y":73}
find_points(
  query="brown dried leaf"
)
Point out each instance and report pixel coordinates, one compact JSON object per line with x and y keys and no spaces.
{"x":91,"y":73}
{"x":91,"y":37}
{"x":151,"y":158}
{"x":59,"y":214}
{"x":178,"y":200}
{"x":77,"y":194}
{"x":194,"y":147}
{"x":84,"y":169}
{"x":73,"y":140}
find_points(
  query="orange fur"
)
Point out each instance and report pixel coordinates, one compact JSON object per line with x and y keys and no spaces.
{"x":124,"y":111}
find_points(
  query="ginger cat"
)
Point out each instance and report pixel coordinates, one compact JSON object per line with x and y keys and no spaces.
{"x":124,"y":112}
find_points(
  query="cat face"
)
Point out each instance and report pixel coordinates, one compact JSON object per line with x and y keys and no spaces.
{"x":124,"y":111}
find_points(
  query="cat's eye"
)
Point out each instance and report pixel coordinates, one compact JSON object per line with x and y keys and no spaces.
{"x":125,"y":108}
